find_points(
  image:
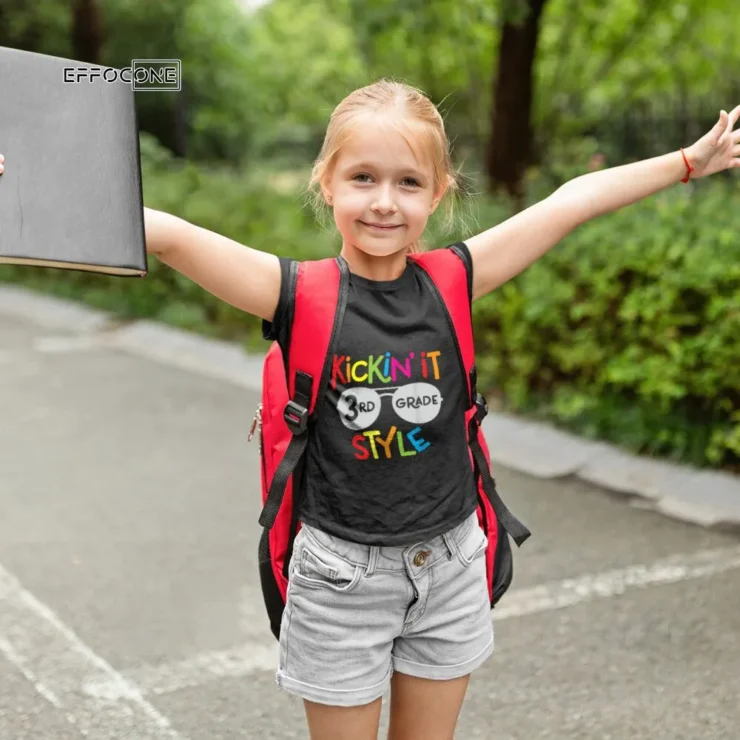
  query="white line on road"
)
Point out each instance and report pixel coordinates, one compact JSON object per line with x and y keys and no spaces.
{"x":559,"y":594}
{"x":57,"y":662}
{"x":253,"y":657}
{"x":168,"y":677}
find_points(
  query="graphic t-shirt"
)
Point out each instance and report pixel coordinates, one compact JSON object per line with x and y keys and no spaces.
{"x":388,"y":461}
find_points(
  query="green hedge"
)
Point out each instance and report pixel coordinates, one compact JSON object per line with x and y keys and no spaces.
{"x":627,"y":331}
{"x":630,"y":329}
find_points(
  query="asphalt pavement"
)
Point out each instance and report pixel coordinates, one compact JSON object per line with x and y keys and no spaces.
{"x":130,"y":604}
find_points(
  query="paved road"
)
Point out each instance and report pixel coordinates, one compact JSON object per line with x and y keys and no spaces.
{"x":130,"y":605}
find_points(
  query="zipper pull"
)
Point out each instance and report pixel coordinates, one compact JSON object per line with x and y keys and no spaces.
{"x":256,"y":422}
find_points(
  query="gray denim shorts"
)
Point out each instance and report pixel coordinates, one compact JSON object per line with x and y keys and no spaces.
{"x":356,"y":613}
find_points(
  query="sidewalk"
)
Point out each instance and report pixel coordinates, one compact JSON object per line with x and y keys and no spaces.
{"x":707,"y":498}
{"x":130,"y":601}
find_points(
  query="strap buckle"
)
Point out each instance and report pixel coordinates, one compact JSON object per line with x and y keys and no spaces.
{"x":296,"y":417}
{"x":481,"y":409}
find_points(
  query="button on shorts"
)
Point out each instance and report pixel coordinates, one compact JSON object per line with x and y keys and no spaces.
{"x":355,"y":613}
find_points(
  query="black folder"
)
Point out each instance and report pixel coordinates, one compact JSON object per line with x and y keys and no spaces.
{"x":71,"y":194}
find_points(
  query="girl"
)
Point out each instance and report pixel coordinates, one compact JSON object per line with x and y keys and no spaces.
{"x":388,"y":578}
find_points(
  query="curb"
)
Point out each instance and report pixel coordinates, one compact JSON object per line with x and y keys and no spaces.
{"x":707,"y":498}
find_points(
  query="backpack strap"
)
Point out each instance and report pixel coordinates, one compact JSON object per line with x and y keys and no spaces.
{"x":447,"y":272}
{"x":318,"y":297}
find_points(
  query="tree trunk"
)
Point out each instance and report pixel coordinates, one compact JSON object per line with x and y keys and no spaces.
{"x":87,"y":31}
{"x":510,"y":146}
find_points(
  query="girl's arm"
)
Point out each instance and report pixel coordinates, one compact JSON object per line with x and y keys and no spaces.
{"x":504,"y":251}
{"x":239,"y":275}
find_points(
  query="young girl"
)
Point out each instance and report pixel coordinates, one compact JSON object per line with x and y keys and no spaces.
{"x":388,"y":583}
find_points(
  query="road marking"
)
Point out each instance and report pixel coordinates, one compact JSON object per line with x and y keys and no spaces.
{"x":572,"y":591}
{"x":257,"y":656}
{"x":57,"y":662}
{"x":197,"y":671}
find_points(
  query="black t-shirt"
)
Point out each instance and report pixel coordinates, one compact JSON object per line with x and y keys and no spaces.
{"x":388,"y":460}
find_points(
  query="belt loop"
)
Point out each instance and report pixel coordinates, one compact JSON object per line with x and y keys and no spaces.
{"x":451,"y":544}
{"x":372,"y":559}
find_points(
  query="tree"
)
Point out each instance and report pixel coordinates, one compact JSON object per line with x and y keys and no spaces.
{"x":510,"y":147}
{"x":87,"y":31}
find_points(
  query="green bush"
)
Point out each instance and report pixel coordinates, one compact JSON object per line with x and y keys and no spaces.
{"x":627,"y":331}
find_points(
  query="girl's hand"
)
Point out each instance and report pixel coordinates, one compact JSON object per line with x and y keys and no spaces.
{"x":717,"y":150}
{"x":2,"y":159}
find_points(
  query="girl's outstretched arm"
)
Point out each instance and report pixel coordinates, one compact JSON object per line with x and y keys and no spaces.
{"x":242,"y":276}
{"x":504,"y":251}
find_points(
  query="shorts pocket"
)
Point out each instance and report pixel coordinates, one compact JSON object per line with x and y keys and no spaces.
{"x":473,"y":544}
{"x":320,"y":568}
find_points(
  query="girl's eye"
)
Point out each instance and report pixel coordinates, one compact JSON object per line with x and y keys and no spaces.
{"x":409,"y":182}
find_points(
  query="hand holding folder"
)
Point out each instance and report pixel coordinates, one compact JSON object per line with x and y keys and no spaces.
{"x":71,"y":193}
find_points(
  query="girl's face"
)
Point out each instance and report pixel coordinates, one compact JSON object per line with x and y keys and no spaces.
{"x":382,"y":195}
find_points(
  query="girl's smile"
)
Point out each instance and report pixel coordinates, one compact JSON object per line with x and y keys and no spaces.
{"x":380,"y":227}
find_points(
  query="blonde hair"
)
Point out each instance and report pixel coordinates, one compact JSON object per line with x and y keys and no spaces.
{"x":414,"y":116}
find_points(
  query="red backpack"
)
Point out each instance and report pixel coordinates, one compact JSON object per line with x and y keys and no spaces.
{"x":284,"y":419}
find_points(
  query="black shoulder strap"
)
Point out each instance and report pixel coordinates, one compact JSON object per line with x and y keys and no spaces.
{"x":518,"y":531}
{"x":461,"y":250}
{"x":290,"y":305}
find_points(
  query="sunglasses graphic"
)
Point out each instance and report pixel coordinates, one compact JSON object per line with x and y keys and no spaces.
{"x":416,"y":403}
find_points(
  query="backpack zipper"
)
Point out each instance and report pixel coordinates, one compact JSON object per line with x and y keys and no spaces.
{"x":256,"y":424}
{"x":257,"y":428}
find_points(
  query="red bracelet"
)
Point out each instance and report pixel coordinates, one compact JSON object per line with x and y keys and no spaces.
{"x":689,"y":168}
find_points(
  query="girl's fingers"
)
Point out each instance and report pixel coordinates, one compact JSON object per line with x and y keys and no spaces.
{"x":730,"y":121}
{"x":720,"y":129}
{"x":734,"y":116}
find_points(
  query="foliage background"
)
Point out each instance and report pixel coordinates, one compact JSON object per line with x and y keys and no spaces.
{"x":627,"y":331}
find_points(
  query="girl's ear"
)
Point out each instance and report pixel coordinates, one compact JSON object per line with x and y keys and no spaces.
{"x":449,"y":183}
{"x":438,"y":198}
{"x":327,"y":194}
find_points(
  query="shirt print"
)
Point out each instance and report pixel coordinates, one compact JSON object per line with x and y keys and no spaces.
{"x":408,"y":384}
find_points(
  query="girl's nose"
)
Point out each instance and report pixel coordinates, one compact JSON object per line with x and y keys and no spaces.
{"x":384,"y":201}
